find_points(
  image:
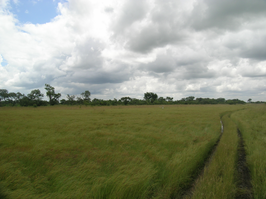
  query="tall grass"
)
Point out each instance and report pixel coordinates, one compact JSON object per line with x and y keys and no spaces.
{"x":251,"y":123}
{"x":102,"y":152}
{"x":218,"y":179}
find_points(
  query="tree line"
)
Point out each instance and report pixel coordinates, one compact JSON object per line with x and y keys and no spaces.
{"x":35,"y":98}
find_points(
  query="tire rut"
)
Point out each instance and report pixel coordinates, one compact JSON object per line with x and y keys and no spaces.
{"x":189,"y":191}
{"x":244,"y":186}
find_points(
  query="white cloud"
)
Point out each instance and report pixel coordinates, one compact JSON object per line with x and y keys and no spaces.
{"x":206,"y":48}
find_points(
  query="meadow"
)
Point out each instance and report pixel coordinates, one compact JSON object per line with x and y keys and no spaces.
{"x":252,"y":123}
{"x":123,"y":151}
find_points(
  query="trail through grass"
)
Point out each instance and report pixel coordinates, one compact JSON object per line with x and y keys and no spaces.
{"x":251,"y":123}
{"x":218,"y":179}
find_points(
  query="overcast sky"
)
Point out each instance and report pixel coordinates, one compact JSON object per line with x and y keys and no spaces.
{"x":118,"y":48}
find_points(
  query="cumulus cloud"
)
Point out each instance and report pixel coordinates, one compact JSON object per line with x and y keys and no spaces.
{"x":226,"y":14}
{"x":205,"y":48}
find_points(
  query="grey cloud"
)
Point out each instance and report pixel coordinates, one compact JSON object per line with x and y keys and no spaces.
{"x":32,"y":80}
{"x":109,"y":9}
{"x":154,"y":36}
{"x":132,"y":11}
{"x":251,"y":45}
{"x":98,"y":75}
{"x":157,"y":26}
{"x":256,"y":51}
{"x":254,"y":75}
{"x":162,"y":64}
{"x":198,"y":72}
{"x":87,"y":54}
{"x":190,"y":59}
{"x":103,"y":78}
{"x":225,"y":14}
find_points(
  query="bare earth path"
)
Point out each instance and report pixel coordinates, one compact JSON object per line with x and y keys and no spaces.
{"x":243,"y":174}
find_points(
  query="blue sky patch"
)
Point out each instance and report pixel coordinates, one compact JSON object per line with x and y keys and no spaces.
{"x":35,"y":11}
{"x":3,"y":61}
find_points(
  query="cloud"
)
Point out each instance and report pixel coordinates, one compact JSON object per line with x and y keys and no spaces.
{"x":130,"y":12}
{"x":206,"y":48}
{"x":228,"y":15}
{"x":162,"y":64}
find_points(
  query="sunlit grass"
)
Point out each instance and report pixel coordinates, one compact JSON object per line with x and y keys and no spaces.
{"x":252,"y":124}
{"x":218,"y":179}
{"x":104,"y":152}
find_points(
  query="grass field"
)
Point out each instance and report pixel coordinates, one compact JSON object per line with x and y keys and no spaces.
{"x":218,"y":180}
{"x":252,"y":123}
{"x":107,"y":152}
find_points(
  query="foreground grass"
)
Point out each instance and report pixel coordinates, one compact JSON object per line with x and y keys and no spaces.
{"x":251,"y":123}
{"x":101,"y":152}
{"x":218,"y":179}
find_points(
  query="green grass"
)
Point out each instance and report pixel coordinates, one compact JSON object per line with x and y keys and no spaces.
{"x":218,"y":179}
{"x":104,"y":152}
{"x":252,"y":124}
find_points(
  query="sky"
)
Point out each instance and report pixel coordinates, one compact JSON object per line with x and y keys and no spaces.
{"x":119,"y":48}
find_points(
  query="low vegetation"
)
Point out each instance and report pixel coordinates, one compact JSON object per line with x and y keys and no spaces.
{"x":105,"y":152}
{"x":251,"y":123}
{"x":218,"y":179}
{"x":35,"y":99}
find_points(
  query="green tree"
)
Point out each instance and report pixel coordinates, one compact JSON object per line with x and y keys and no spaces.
{"x":86,"y":95}
{"x":169,"y":99}
{"x":125,"y":100}
{"x":190,"y":98}
{"x":12,"y":98}
{"x":71,"y":99}
{"x":150,"y":97}
{"x":220,"y":100}
{"x":3,"y":94}
{"x":53,"y":97}
{"x":80,"y":100}
{"x":19,"y":96}
{"x":35,"y":96}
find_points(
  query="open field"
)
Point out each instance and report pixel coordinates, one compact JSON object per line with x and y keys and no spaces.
{"x":252,"y":123}
{"x":218,"y":180}
{"x":112,"y":152}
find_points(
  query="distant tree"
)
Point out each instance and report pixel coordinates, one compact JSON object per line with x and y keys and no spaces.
{"x":12,"y":96}
{"x":86,"y":95}
{"x":53,"y":97}
{"x":96,"y":101}
{"x":25,"y":101}
{"x":235,"y":101}
{"x":79,"y":100}
{"x":150,"y":97}
{"x":19,"y":96}
{"x":125,"y":100}
{"x":169,"y":99}
{"x":71,"y":99}
{"x":161,"y":99}
{"x":62,"y":101}
{"x":114,"y":102}
{"x":3,"y":94}
{"x":190,"y":98}
{"x":35,"y":96}
{"x":220,"y":100}
{"x":249,"y":100}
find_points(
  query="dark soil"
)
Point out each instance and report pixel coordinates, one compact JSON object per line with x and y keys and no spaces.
{"x":244,"y":186}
